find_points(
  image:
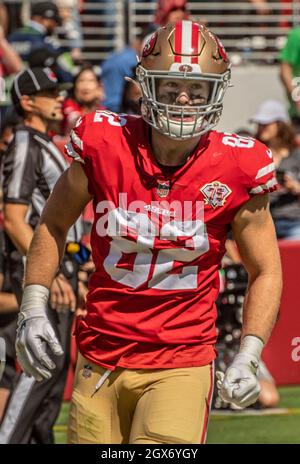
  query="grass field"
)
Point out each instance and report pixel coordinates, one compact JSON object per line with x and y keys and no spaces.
{"x":275,"y":426}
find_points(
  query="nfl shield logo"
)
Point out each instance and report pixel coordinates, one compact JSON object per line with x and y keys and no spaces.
{"x":215,"y":193}
{"x":163,"y":188}
{"x":87,"y":371}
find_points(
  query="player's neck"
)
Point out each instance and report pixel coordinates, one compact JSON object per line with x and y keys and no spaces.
{"x":171,"y":152}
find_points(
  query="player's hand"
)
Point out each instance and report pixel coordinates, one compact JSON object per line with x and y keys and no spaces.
{"x":62,"y":297}
{"x":239,"y":385}
{"x":35,"y":334}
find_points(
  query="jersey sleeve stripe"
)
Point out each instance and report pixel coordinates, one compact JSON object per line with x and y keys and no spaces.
{"x":265,"y":187}
{"x":72,"y":153}
{"x":76,"y":140}
{"x":265,"y":170}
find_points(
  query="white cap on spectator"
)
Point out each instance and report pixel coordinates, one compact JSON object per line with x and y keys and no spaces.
{"x":270,"y":111}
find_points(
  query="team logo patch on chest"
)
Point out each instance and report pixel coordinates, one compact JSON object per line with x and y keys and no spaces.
{"x":215,"y":193}
{"x":163,"y":188}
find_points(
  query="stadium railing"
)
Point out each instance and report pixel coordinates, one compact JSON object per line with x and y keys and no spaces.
{"x":248,"y":36}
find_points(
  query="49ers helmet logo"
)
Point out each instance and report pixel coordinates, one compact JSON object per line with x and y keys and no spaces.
{"x":149,"y":46}
{"x":222,"y":50}
{"x":185,"y":68}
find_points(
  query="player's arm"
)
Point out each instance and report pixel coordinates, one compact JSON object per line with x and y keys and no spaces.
{"x":255,"y":236}
{"x":34,"y":331}
{"x":254,"y":233}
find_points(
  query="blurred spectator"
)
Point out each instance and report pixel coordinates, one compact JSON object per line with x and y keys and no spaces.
{"x":10,"y":15}
{"x":10,"y":62}
{"x":171,"y":11}
{"x":3,"y":17}
{"x":41,"y":32}
{"x":131,"y":98}
{"x":68,"y":11}
{"x":8,"y":125}
{"x":290,"y":70}
{"x":86,"y":96}
{"x":38,"y":31}
{"x":44,"y":57}
{"x":275,"y":130}
{"x":262,"y":7}
{"x":118,"y":66}
{"x":269,"y":395}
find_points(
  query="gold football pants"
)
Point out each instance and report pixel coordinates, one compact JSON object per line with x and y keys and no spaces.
{"x":140,"y":405}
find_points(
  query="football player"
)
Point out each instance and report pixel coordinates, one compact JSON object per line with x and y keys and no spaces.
{"x":166,"y":190}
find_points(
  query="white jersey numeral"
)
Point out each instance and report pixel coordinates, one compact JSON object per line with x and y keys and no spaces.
{"x":234,"y":140}
{"x":113,"y":119}
{"x":147,"y":267}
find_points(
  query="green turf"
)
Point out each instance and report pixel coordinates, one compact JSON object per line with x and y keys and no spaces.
{"x":258,"y":429}
{"x":63,"y":416}
{"x":281,"y":428}
{"x":237,"y":428}
{"x":289,"y":397}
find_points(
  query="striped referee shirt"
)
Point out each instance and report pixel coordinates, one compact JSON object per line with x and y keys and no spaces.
{"x":31,"y":167}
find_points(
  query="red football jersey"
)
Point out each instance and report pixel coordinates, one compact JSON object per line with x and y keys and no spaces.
{"x":158,"y":240}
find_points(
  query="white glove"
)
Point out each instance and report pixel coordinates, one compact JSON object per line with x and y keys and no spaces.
{"x":34,"y":333}
{"x":239,"y":385}
{"x":2,"y":356}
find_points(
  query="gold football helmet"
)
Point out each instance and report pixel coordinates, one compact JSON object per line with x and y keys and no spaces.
{"x":185,"y":50}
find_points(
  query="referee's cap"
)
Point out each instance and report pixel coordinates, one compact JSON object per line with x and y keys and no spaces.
{"x":31,"y":81}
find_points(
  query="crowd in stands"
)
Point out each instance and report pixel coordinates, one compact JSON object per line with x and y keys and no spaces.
{"x":84,"y":88}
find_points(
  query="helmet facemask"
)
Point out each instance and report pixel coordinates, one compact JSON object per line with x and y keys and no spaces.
{"x":177,"y":121}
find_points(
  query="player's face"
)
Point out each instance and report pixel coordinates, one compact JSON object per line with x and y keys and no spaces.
{"x":48,"y":104}
{"x":183,"y":92}
{"x":267,"y":132}
{"x":87,"y":88}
